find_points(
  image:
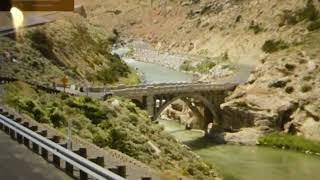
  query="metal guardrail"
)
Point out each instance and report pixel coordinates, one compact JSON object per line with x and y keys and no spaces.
{"x":68,"y":156}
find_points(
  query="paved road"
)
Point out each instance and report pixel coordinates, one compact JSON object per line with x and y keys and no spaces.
{"x":19,"y":163}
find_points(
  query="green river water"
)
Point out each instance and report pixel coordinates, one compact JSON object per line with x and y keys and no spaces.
{"x":246,"y":162}
{"x":234,"y":162}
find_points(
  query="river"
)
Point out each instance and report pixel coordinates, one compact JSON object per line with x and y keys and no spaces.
{"x":232,"y":162}
{"x":248,"y":162}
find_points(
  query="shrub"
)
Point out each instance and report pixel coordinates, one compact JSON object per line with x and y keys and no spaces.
{"x":205,"y":66}
{"x":271,"y":46}
{"x":116,"y":68}
{"x":314,"y":25}
{"x":100,"y":139}
{"x":306,"y":88}
{"x":186,"y":66}
{"x":29,"y":105}
{"x":38,"y":115}
{"x":58,"y":119}
{"x":256,"y":28}
{"x":309,"y":12}
{"x":290,"y":142}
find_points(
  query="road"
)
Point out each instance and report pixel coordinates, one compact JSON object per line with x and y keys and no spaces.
{"x":19,"y":163}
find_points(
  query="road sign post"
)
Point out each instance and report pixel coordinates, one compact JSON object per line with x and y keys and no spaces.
{"x":64,"y":82}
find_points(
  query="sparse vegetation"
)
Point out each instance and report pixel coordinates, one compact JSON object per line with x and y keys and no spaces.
{"x":281,"y":140}
{"x":309,"y":12}
{"x":314,"y":25}
{"x":306,"y":88}
{"x":256,"y":28}
{"x":71,"y":47}
{"x":204,"y":66}
{"x":125,"y":127}
{"x":271,"y":46}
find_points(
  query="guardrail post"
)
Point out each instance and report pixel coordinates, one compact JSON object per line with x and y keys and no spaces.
{"x":114,"y":170}
{"x":10,"y":116}
{"x":12,"y":134}
{"x":34,"y":128}
{"x":55,"y":159}
{"x":35,"y":146}
{"x":69,"y":169}
{"x":6,"y":129}
{"x":18,"y":120}
{"x":26,"y":142}
{"x":25,"y":124}
{"x":44,"y":152}
{"x":5,"y":114}
{"x":19,"y":138}
{"x":83,"y":153}
{"x":98,"y":160}
{"x":122,"y":171}
{"x":1,"y":126}
{"x":44,"y":133}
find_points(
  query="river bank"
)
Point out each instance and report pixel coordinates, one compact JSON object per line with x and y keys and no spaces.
{"x":201,"y":67}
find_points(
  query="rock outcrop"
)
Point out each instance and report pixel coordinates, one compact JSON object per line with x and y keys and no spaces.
{"x":283,"y":93}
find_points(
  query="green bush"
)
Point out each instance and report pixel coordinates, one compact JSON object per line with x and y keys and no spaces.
{"x":287,"y":141}
{"x":202,"y":67}
{"x":205,"y":66}
{"x":271,"y":46}
{"x":117,"y":68}
{"x":58,"y":119}
{"x":39,"y":115}
{"x":186,"y":66}
{"x":314,"y":25}
{"x":309,"y":12}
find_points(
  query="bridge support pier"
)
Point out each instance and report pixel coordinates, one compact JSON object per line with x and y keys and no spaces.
{"x":150,"y":106}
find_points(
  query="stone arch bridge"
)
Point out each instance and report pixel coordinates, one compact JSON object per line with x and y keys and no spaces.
{"x":157,"y":97}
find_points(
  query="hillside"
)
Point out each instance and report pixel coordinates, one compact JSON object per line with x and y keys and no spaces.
{"x":279,"y":37}
{"x":236,"y":27}
{"x":115,"y":123}
{"x":68,"y":47}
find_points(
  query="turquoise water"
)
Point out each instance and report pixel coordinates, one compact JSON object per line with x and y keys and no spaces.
{"x":153,"y":73}
{"x":246,"y":162}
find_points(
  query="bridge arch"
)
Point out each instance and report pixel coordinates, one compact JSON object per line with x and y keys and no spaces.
{"x":201,"y":98}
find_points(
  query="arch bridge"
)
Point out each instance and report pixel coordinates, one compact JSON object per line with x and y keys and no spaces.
{"x":157,"y":97}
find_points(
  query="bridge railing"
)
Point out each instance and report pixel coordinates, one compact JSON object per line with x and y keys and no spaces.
{"x":70,"y":157}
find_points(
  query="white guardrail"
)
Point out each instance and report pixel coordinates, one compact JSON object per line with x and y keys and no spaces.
{"x":72,"y":158}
